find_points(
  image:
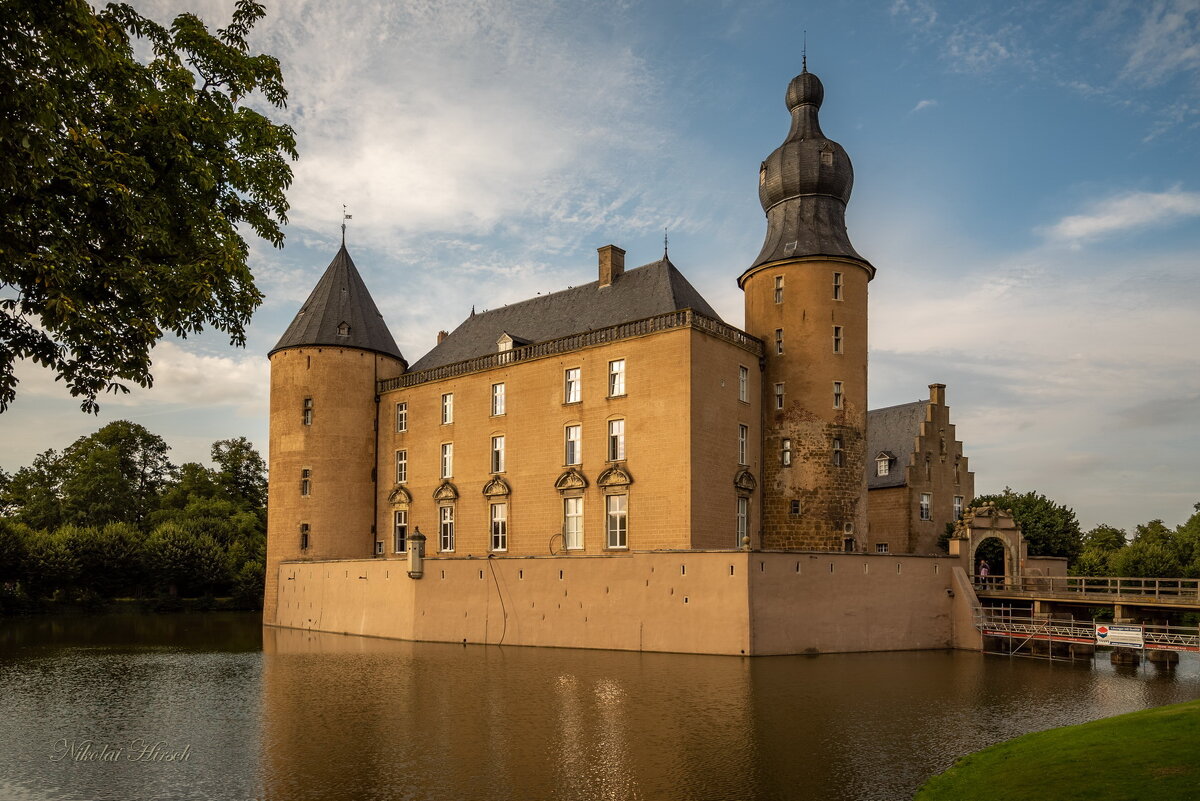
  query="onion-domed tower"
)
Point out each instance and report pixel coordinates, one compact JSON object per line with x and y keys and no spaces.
{"x":806,"y":298}
{"x":323,"y":433}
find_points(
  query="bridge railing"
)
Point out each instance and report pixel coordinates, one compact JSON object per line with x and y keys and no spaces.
{"x":1182,"y":590}
{"x":994,"y":622}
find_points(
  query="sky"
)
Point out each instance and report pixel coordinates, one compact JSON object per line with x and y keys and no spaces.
{"x":1027,"y":186}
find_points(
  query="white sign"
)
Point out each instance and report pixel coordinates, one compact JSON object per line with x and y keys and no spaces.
{"x":1122,"y":636}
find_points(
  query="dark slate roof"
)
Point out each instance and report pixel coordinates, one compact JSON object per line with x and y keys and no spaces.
{"x":340,"y":297}
{"x":893,"y":429}
{"x":655,"y":288}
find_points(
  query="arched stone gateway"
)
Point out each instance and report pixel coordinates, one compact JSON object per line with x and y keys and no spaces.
{"x":983,"y":523}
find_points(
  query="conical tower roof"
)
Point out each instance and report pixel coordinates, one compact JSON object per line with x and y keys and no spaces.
{"x":340,"y":313}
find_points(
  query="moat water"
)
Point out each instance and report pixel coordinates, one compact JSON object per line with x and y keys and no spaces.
{"x":212,"y":706}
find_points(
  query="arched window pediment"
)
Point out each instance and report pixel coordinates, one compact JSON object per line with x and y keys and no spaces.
{"x":571,"y":479}
{"x":496,"y":488}
{"x":446,"y":492}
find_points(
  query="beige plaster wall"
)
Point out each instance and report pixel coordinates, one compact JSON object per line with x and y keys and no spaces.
{"x":718,"y":602}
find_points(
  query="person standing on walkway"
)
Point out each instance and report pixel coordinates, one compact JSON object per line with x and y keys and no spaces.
{"x":984,"y":570}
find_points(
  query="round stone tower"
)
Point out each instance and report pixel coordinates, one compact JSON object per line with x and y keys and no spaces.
{"x":323,"y":426}
{"x":806,"y":298}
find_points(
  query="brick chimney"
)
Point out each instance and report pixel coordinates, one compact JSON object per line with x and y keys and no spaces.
{"x":612,"y":264}
{"x":937,"y":394}
{"x":441,"y":335}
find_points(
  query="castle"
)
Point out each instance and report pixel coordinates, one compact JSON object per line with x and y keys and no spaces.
{"x":602,"y":429}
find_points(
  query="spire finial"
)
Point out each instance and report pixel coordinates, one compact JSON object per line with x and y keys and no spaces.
{"x":804,"y":53}
{"x":345,"y":217}
{"x":666,"y":242}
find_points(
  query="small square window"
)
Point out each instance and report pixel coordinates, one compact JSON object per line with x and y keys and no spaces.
{"x":881,"y":547}
{"x":794,"y":507}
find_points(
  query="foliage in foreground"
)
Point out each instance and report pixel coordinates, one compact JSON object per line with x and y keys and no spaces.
{"x":1151,"y":755}
{"x":128,"y":185}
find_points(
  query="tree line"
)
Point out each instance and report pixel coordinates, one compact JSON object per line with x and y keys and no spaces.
{"x":1153,"y":551}
{"x":111,"y":517}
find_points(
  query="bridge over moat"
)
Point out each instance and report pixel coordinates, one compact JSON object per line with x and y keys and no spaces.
{"x":1133,"y":599}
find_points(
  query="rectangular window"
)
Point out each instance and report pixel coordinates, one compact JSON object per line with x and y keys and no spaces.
{"x":572,"y":453}
{"x":779,"y":396}
{"x":779,"y":289}
{"x":446,"y":528}
{"x":401,"y":416}
{"x":616,"y":440}
{"x":571,"y":389}
{"x":401,"y":466}
{"x":785,"y":452}
{"x":305,"y":481}
{"x":837,"y":394}
{"x":618,"y":520}
{"x":926,"y":502}
{"x":616,"y":378}
{"x":447,"y":459}
{"x":573,"y":523}
{"x":400,"y":531}
{"x":304,"y":536}
{"x":778,"y":341}
{"x":743,"y":384}
{"x":498,"y":454}
{"x":881,"y":547}
{"x":839,"y":456}
{"x":307,"y":413}
{"x":448,"y":408}
{"x":743,"y":520}
{"x":837,"y":286}
{"x":958,"y":507}
{"x":743,"y":442}
{"x":837,"y":339}
{"x":795,"y":507}
{"x":497,"y":399}
{"x":499,"y":526}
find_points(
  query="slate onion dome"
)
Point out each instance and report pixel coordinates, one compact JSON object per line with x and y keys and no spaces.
{"x":805,"y":184}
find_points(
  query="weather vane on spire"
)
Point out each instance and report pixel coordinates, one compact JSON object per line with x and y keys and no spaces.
{"x":665,"y":243}
{"x":345,"y":217}
{"x":804,"y":53}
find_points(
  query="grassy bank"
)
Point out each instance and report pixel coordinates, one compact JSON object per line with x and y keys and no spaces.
{"x":1143,"y":756}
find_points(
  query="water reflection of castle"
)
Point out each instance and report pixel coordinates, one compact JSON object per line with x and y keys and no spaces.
{"x":612,"y":465}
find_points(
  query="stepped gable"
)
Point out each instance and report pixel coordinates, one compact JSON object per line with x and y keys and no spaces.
{"x":893,"y":429}
{"x":340,"y":313}
{"x":655,"y":288}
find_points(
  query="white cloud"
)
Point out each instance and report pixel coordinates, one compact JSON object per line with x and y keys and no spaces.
{"x":1166,"y":44}
{"x":922,"y":105}
{"x":1126,"y":212}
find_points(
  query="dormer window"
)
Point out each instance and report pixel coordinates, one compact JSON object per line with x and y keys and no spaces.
{"x":343,"y":329}
{"x":883,"y":466}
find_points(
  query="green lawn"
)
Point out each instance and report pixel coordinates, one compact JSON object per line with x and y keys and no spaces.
{"x":1152,"y":755}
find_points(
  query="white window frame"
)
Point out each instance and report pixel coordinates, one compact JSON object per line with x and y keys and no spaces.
{"x":743,"y":444}
{"x":497,"y":400}
{"x":400,"y":531}
{"x":743,"y":383}
{"x":926,"y":508}
{"x":447,"y":408}
{"x":881,"y":547}
{"x":742,"y":522}
{"x":446,"y":528}
{"x":883,"y":466}
{"x":837,"y":287}
{"x":306,"y":416}
{"x":402,"y":417}
{"x":778,"y":341}
{"x":498,"y":453}
{"x":573,"y":523}
{"x":499,"y":526}
{"x":616,"y":378}
{"x":616,"y":440}
{"x":958,"y":507}
{"x":779,"y":289}
{"x":779,"y":393}
{"x":839,"y":452}
{"x":572,"y":389}
{"x":839,"y":392}
{"x":402,"y":466}
{"x":837,"y":339}
{"x":573,"y":444}
{"x":447,"y":459}
{"x":785,"y":452}
{"x":616,"y":509}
